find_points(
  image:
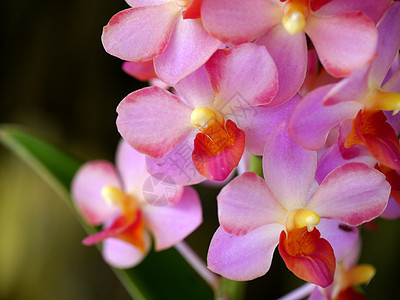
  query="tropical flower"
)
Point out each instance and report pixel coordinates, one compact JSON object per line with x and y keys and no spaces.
{"x":287,"y":208}
{"x":218,"y":108}
{"x":118,"y":198}
{"x":168,"y":31}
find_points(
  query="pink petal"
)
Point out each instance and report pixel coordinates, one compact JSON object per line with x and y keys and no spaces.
{"x":332,"y":159}
{"x":120,"y":254}
{"x":372,"y":8}
{"x":141,"y":3}
{"x":243,"y":257}
{"x":190,"y":47}
{"x":247,"y":203}
{"x":392,"y":210}
{"x":288,"y":168}
{"x":196,"y":89}
{"x":388,"y":45}
{"x":171,"y":224}
{"x":237,"y":21}
{"x":341,"y":237}
{"x":86,"y":191}
{"x":177,"y":164}
{"x":140,"y":34}
{"x":131,"y":166}
{"x":311,"y":122}
{"x":341,"y":50}
{"x":153,"y":121}
{"x":351,"y":88}
{"x":143,"y":71}
{"x":258,"y":122}
{"x":246,"y":71}
{"x":393,"y":84}
{"x":352,"y":193}
{"x":290,"y":55}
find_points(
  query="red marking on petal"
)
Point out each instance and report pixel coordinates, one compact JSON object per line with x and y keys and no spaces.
{"x":317,"y":4}
{"x":122,"y":228}
{"x":193,"y":10}
{"x":308,"y":256}
{"x":218,"y":150}
{"x":372,"y":130}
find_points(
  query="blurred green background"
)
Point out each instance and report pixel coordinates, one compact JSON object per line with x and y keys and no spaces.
{"x":57,"y":81}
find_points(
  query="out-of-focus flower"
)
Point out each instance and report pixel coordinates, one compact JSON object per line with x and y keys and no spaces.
{"x":356,"y":103}
{"x":336,"y":28}
{"x":255,"y":215}
{"x":168,"y":31}
{"x":118,"y":198}
{"x":219,"y":104}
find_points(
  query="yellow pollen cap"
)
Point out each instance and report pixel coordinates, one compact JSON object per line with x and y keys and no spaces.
{"x":300,"y":218}
{"x":202,"y":116}
{"x":294,"y":22}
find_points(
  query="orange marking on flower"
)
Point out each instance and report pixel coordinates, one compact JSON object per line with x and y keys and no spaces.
{"x":193,"y":10}
{"x":308,"y":256}
{"x":371,"y":129}
{"x":393,"y":177}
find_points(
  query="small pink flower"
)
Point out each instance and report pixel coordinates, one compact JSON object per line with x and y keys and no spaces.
{"x":117,"y":198}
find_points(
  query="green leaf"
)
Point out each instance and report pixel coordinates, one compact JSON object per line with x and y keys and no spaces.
{"x":162,"y":275}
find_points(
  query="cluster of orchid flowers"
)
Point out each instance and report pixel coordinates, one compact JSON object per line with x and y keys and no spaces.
{"x":312,"y":86}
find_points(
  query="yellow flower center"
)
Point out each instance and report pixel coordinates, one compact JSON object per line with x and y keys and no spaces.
{"x":300,"y":218}
{"x":295,"y":13}
{"x":380,"y":100}
{"x":117,"y":197}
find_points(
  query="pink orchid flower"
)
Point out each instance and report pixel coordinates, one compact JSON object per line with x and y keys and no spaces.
{"x":286,"y":208}
{"x":217,"y":110}
{"x":343,"y":32}
{"x":356,"y":103}
{"x":168,"y":31}
{"x":118,"y":198}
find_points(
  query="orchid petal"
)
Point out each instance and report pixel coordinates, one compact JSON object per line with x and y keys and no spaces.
{"x":247,"y":203}
{"x":341,"y":237}
{"x":143,"y":71}
{"x":153,"y":121}
{"x":341,"y":50}
{"x":131,"y":166}
{"x":351,"y":88}
{"x":243,"y":257}
{"x":332,"y":159}
{"x":392,"y":210}
{"x":247,"y":72}
{"x":288,"y":168}
{"x":120,"y":254}
{"x":371,"y":8}
{"x":258,"y":122}
{"x":237,"y":21}
{"x":311,"y":121}
{"x":388,"y":45}
{"x":177,"y":165}
{"x":352,"y":193}
{"x":190,"y":47}
{"x":141,"y":3}
{"x":140,"y":34}
{"x":290,"y":55}
{"x":171,"y":224}
{"x":86,"y":191}
{"x":196,"y":89}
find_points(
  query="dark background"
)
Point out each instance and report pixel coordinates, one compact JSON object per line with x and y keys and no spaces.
{"x":58,"y":82}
